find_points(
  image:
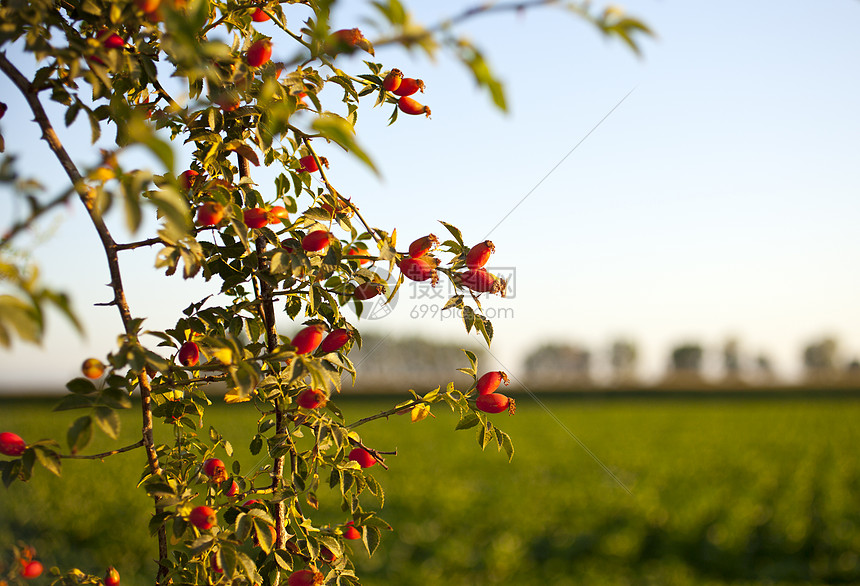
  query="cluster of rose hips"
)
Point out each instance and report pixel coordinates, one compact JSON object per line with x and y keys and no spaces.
{"x":419,"y":265}
{"x":404,"y":87}
{"x":489,"y":401}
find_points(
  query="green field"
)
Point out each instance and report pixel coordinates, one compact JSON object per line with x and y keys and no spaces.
{"x":757,"y":491}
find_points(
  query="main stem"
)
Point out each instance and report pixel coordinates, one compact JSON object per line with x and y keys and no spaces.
{"x":109,"y":245}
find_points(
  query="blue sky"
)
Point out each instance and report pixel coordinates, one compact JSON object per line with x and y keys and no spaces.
{"x":719,"y":199}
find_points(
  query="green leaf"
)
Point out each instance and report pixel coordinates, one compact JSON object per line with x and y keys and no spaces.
{"x":80,"y":433}
{"x":455,"y":232}
{"x":470,"y":419}
{"x":49,"y":459}
{"x":340,"y":131}
{"x":107,"y":420}
{"x":81,"y":386}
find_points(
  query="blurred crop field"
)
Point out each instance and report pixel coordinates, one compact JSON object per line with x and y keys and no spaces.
{"x":721,"y":491}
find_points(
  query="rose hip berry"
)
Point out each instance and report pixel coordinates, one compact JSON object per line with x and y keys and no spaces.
{"x":335,"y":340}
{"x":113,"y":41}
{"x":481,"y":281}
{"x":187,"y":178}
{"x":495,"y":403}
{"x":11,"y":444}
{"x":312,"y":398}
{"x":189,"y":354}
{"x":419,"y":269}
{"x":213,"y":563}
{"x":277,"y":213}
{"x":409,"y":86}
{"x":255,"y":217}
{"x":350,"y":532}
{"x":209,"y":214}
{"x":479,"y":254}
{"x":112,"y":577}
{"x":215,"y":469}
{"x":423,"y":245}
{"x":316,"y":241}
{"x":490,"y":382}
{"x":367,"y":291}
{"x":32,"y":570}
{"x":308,"y":339}
{"x":392,"y":80}
{"x":362,"y":457}
{"x":409,"y":106}
{"x":357,"y":252}
{"x":203,"y":517}
{"x":93,"y":368}
{"x":259,"y":53}
{"x":309,"y":164}
{"x":259,"y":16}
{"x":305,"y":578}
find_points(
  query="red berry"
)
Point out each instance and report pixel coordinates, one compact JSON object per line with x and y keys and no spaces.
{"x":305,"y":578}
{"x":227,"y":100}
{"x":187,"y":178}
{"x":316,"y":241}
{"x":259,"y":16}
{"x":481,"y":281}
{"x":259,"y":52}
{"x":189,"y":354}
{"x":215,"y":469}
{"x":392,"y":80}
{"x":479,"y":254}
{"x":309,"y":164}
{"x":203,"y":517}
{"x":409,"y":86}
{"x":327,"y":555}
{"x":147,"y":6}
{"x":419,"y":269}
{"x":490,"y":382}
{"x":351,"y":532}
{"x":357,"y":252}
{"x":308,"y":339}
{"x":495,"y":403}
{"x":11,"y":444}
{"x":210,"y":213}
{"x":423,"y":245}
{"x":363,"y":457}
{"x":32,"y":570}
{"x":277,"y":213}
{"x":213,"y":562}
{"x":256,"y":217}
{"x":312,"y":398}
{"x":367,"y":291}
{"x":347,"y":40}
{"x":93,"y":368}
{"x":335,"y":340}
{"x":112,"y":577}
{"x":409,"y":106}
{"x":113,"y":41}
{"x":234,"y":488}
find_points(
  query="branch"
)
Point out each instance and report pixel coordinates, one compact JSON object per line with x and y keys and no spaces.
{"x":390,"y":412}
{"x":104,"y":455}
{"x":35,"y":214}
{"x":142,"y":243}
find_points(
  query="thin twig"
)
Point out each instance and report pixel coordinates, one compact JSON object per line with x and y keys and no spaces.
{"x":104,"y":455}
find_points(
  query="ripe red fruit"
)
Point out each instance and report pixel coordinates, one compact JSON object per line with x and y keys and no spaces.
{"x":312,"y":398}
{"x":308,"y":339}
{"x":305,"y":578}
{"x":189,"y":354}
{"x":210,"y":213}
{"x":481,"y":281}
{"x":409,"y":106}
{"x":495,"y":403}
{"x":347,"y":40}
{"x":316,"y":241}
{"x":32,"y":570}
{"x":327,"y":555}
{"x":187,"y":178}
{"x":203,"y":517}
{"x":357,"y":252}
{"x":250,"y":502}
{"x":423,"y":245}
{"x":259,"y":16}
{"x":367,"y":291}
{"x":215,"y":469}
{"x":363,"y":457}
{"x":113,"y":41}
{"x":351,"y":532}
{"x":213,"y":563}
{"x":256,"y":217}
{"x":479,"y":254}
{"x":112,"y":577}
{"x":309,"y":164}
{"x":234,"y":488}
{"x":227,"y":100}
{"x":259,"y":53}
{"x":276,"y":213}
{"x":419,"y":269}
{"x":409,"y":86}
{"x":392,"y":80}
{"x":335,"y":340}
{"x":147,"y":6}
{"x":93,"y":368}
{"x":11,"y":444}
{"x":490,"y":382}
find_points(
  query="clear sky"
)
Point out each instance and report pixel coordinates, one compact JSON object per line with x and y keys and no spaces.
{"x":719,"y":199}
